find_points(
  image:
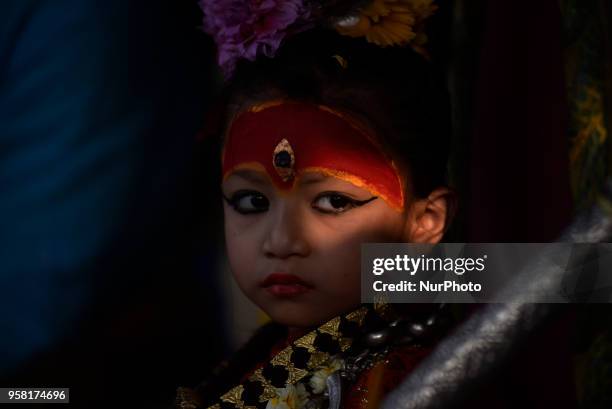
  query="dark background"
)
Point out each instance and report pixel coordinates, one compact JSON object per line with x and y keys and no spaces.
{"x":105,"y":250}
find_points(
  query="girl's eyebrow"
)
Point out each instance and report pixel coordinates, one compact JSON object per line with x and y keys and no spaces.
{"x":312,"y":178}
{"x":250,"y":176}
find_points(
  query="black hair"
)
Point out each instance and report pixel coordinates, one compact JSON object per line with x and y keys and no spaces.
{"x":400,"y":93}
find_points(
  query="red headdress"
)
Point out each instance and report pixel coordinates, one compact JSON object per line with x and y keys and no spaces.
{"x":286,"y":139}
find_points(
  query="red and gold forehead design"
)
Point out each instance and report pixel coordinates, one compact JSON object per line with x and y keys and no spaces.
{"x":288,"y":139}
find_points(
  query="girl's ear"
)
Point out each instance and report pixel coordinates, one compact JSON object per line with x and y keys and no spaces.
{"x":428,"y":218}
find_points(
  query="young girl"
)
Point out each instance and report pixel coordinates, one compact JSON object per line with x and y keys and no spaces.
{"x":332,"y":143}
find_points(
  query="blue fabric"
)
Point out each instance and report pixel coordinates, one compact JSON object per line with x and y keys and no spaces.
{"x":98,"y":110}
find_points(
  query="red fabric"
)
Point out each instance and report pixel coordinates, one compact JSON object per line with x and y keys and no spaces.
{"x":374,"y":384}
{"x":322,"y":141}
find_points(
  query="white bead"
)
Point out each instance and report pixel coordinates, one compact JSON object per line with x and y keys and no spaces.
{"x":349,"y":21}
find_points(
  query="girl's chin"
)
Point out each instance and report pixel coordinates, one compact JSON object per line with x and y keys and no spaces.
{"x":302,"y":318}
{"x":297,"y":322}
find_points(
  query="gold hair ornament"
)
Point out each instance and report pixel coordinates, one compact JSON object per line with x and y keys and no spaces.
{"x":390,"y":23}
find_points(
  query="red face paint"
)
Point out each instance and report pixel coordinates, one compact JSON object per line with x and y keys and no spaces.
{"x":287,"y":139}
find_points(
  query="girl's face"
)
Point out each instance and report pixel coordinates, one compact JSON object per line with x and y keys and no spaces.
{"x":294,"y":227}
{"x":296,"y":254}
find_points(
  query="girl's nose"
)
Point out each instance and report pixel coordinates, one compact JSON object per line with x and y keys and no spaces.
{"x":286,"y":235}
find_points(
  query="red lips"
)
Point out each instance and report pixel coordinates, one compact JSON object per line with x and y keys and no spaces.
{"x":285,"y":285}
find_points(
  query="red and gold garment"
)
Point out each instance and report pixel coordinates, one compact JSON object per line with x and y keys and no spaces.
{"x":295,"y":373}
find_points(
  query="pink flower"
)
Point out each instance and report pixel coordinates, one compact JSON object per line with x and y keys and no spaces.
{"x":248,"y":28}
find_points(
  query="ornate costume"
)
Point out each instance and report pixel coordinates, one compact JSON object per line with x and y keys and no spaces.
{"x":351,"y":361}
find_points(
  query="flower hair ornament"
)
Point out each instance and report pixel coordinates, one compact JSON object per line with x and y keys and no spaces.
{"x":390,"y":23}
{"x":247,"y":29}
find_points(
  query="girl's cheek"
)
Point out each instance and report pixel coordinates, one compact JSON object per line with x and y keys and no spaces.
{"x":239,"y":224}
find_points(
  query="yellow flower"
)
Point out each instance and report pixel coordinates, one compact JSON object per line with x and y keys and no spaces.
{"x":318,"y":381}
{"x":390,"y":22}
{"x":291,"y":397}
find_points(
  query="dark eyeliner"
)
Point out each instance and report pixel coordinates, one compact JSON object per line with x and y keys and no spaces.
{"x":236,"y":197}
{"x":350,"y":199}
{"x":358,"y":203}
{"x":352,"y":203}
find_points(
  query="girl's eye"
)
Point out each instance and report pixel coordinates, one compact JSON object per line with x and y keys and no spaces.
{"x":335,"y":203}
{"x":248,"y":202}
